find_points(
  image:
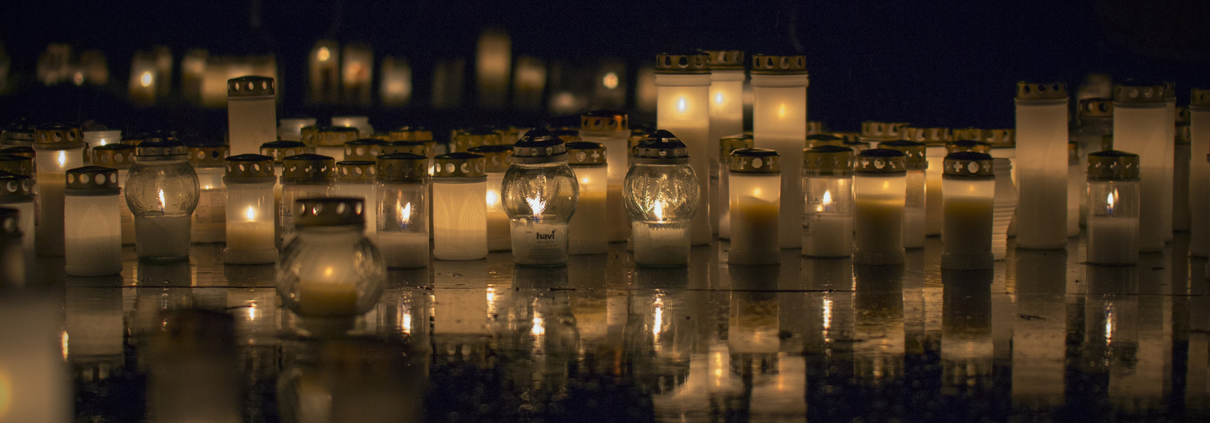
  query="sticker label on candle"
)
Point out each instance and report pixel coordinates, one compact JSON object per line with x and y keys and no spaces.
{"x":540,"y":244}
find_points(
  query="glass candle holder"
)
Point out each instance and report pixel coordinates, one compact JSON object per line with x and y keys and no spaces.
{"x":958,"y":146}
{"x":726,"y":98}
{"x":355,"y":179}
{"x":329,"y":140}
{"x":682,"y":84}
{"x":120,"y":157}
{"x":879,"y":194}
{"x":1076,"y":185}
{"x":251,"y":113}
{"x":17,"y":193}
{"x":279,"y":150}
{"x":662,"y":196}
{"x":498,"y":159}
{"x":1041,"y":111}
{"x":365,"y":149}
{"x":290,"y":129}
{"x":755,"y":197}
{"x":402,"y":190}
{"x":303,"y":176}
{"x":1005,"y":206}
{"x":914,"y":207}
{"x":209,"y":220}
{"x":330,"y":268}
{"x":722,"y":172}
{"x":162,"y":191}
{"x":611,"y":129}
{"x":250,"y":210}
{"x":1139,"y":121}
{"x":539,"y":193}
{"x":361,"y":123}
{"x":467,"y":139}
{"x":779,"y":122}
{"x":970,"y":191}
{"x":1113,"y":208}
{"x":589,"y":162}
{"x":58,"y":148}
{"x":92,"y":224}
{"x":828,"y":209}
{"x":459,"y":207}
{"x":934,"y":140}
{"x":1199,"y":173}
{"x":13,"y":265}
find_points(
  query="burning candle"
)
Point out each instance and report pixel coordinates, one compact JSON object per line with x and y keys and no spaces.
{"x":914,"y":207}
{"x":16,"y":192}
{"x":683,"y":89}
{"x":459,"y":207}
{"x":1139,"y":120}
{"x":828,"y":209}
{"x":539,"y":193}
{"x":58,"y":148}
{"x":162,"y":191}
{"x":611,"y":129}
{"x":970,"y":189}
{"x":1199,"y":173}
{"x":101,"y":137}
{"x":779,"y":122}
{"x":662,"y":196}
{"x":251,"y":113}
{"x":1113,"y":208}
{"x":498,"y":159}
{"x":303,"y":176}
{"x":250,"y":210}
{"x":879,"y":192}
{"x":720,"y":175}
{"x":93,"y":229}
{"x":1041,"y":139}
{"x":726,"y":118}
{"x":402,"y":190}
{"x":755,"y":197}
{"x":209,"y":219}
{"x":290,"y":129}
{"x":330,"y":269}
{"x":142,"y":87}
{"x":355,"y":179}
{"x":587,"y":234}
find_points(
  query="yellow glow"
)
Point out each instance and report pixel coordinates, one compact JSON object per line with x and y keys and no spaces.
{"x":1109,"y":200}
{"x":680,"y":105}
{"x":491,"y":295}
{"x":781,"y":112}
{"x":146,"y":79}
{"x":827,"y":202}
{"x":1110,"y":316}
{"x":323,"y":54}
{"x":64,"y":344}
{"x":718,"y":97}
{"x":493,"y":198}
{"x":162,"y":202}
{"x":250,"y":214}
{"x":756,"y":192}
{"x":252,"y":311}
{"x":658,"y":326}
{"x":827,"y":314}
{"x":6,"y":394}
{"x":610,"y":81}
{"x":536,"y":205}
{"x":103,"y":142}
{"x":539,"y":327}
{"x":406,"y":213}
{"x":62,"y":158}
{"x":658,"y":210}
{"x":584,"y":180}
{"x":328,"y":271}
{"x":407,"y":323}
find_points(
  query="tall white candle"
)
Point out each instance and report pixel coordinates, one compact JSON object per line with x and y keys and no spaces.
{"x":459,"y":207}
{"x":934,"y":140}
{"x":92,"y":227}
{"x":726,"y":117}
{"x":755,"y":197}
{"x":970,"y":189}
{"x":1041,"y":147}
{"x":251,"y":113}
{"x":915,"y":211}
{"x":587,"y":234}
{"x":1139,"y":120}
{"x":498,"y":157}
{"x":58,"y":148}
{"x":727,"y":144}
{"x":1199,"y":173}
{"x":779,"y":123}
{"x":1005,"y":206}
{"x":683,"y":90}
{"x":612,"y":130}
{"x":879,"y":190}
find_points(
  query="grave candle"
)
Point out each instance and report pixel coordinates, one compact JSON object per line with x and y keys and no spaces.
{"x":1042,"y":136}
{"x":251,"y":113}
{"x":779,"y":122}
{"x":879,"y":192}
{"x":683,"y":107}
{"x":58,"y":148}
{"x":1005,"y":206}
{"x":828,"y":209}
{"x":17,"y":192}
{"x":459,"y":207}
{"x":723,"y":190}
{"x":303,"y":176}
{"x":726,"y":119}
{"x":92,"y":226}
{"x":329,"y":140}
{"x":120,"y":157}
{"x":1004,"y":146}
{"x":755,"y":197}
{"x":589,"y":162}
{"x":365,"y":149}
{"x":162,"y":191}
{"x":1139,"y":118}
{"x":498,"y":159}
{"x":914,"y":206}
{"x":402,"y":190}
{"x":662,"y":196}
{"x":970,"y":189}
{"x":611,"y":129}
{"x":355,"y":179}
{"x":330,"y":268}
{"x":209,"y":221}
{"x":934,"y":140}
{"x":540,"y":193}
{"x":1113,"y":208}
{"x":250,"y":210}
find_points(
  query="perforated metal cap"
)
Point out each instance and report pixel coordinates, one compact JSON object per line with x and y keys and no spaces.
{"x":249,"y":168}
{"x":914,"y":151}
{"x":402,"y":167}
{"x":13,"y":185}
{"x":329,"y":211}
{"x":687,"y":63}
{"x":1113,"y":165}
{"x":755,"y":160}
{"x":999,"y":138}
{"x":881,"y":131}
{"x":725,"y":59}
{"x":355,"y":171}
{"x":363,"y":149}
{"x":328,"y":136}
{"x":661,"y":147}
{"x":1095,"y":108}
{"x":411,"y":133}
{"x":117,"y":156}
{"x":930,"y":136}
{"x":250,"y":86}
{"x":10,"y":228}
{"x":17,"y":165}
{"x":583,"y":153}
{"x":18,"y":134}
{"x":604,"y":121}
{"x":881,"y":161}
{"x":413,"y":147}
{"x":815,"y":127}
{"x":969,"y":165}
{"x":779,"y":64}
{"x":460,"y":165}
{"x":161,"y":148}
{"x":308,"y":169}
{"x":829,"y":160}
{"x":539,"y":146}
{"x":1136,"y":92}
{"x":279,"y":150}
{"x":731,"y":143}
{"x":1199,"y":99}
{"x":470,"y":138}
{"x":818,"y":140}
{"x":92,"y":180}
{"x":208,"y":155}
{"x":59,"y":136}
{"x":1041,"y":91}
{"x":959,"y":146}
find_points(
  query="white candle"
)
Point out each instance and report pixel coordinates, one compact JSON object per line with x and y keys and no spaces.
{"x":779,"y":122}
{"x":325,"y":298}
{"x":1113,"y":208}
{"x":498,"y":225}
{"x":1138,"y":127}
{"x":755,"y":199}
{"x":250,"y":236}
{"x":934,"y":218}
{"x":660,"y":244}
{"x":683,"y":109}
{"x":1199,"y":173}
{"x":93,"y":233}
{"x":251,"y":113}
{"x":968,"y":204}
{"x":726,"y":117}
{"x":249,"y":214}
{"x":404,"y":249}
{"x":879,"y":189}
{"x":828,"y":235}
{"x":459,"y":208}
{"x":1167,"y":199}
{"x":828,"y":202}
{"x":58,"y":148}
{"x":1116,"y":240}
{"x":1042,"y":135}
{"x":162,"y":237}
{"x":210,"y":216}
{"x":588,"y":234}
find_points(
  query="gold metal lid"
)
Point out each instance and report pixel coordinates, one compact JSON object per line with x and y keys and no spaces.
{"x":1138,"y":93}
{"x":250,"y":86}
{"x":604,"y":121}
{"x":539,"y":146}
{"x":815,"y":127}
{"x":725,"y":59}
{"x":849,"y":137}
{"x":329,"y":211}
{"x":828,"y":160}
{"x":18,"y":134}
{"x":308,"y":169}
{"x":933,"y":137}
{"x":355,"y":171}
{"x":328,"y":136}
{"x":731,"y":143}
{"x":249,"y":168}
{"x":9,"y":226}
{"x":584,"y":153}
{"x":57,"y":135}
{"x":998,"y":138}
{"x":779,"y":65}
{"x":1113,"y":165}
{"x":660,"y":147}
{"x":164,"y":148}
{"x":460,"y":165}
{"x":208,"y":155}
{"x":914,"y":152}
{"x":411,"y":133}
{"x":1198,"y":99}
{"x":755,"y":160}
{"x":686,"y":63}
{"x":20,"y":150}
{"x":282,"y":149}
{"x":467,"y":139}
{"x":363,"y":149}
{"x":413,"y":147}
{"x":969,"y":165}
{"x":881,"y":131}
{"x":881,"y":161}
{"x":817,"y":140}
{"x":14,"y":185}
{"x":959,"y":146}
{"x":92,"y":180}
{"x":966,"y":133}
{"x":117,"y":156}
{"x":17,"y":165}
{"x":403,"y":167}
{"x":1095,"y":108}
{"x":381,"y":136}
{"x":1041,"y":91}
{"x":856,"y":145}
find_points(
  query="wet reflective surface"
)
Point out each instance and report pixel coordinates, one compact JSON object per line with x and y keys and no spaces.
{"x":1042,"y":336}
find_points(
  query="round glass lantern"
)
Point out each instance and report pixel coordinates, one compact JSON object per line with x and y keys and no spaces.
{"x":539,"y":193}
{"x":162,"y":191}
{"x":662,"y":196}
{"x":330,"y":269}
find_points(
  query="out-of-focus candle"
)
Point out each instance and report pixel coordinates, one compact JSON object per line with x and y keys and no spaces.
{"x":37,"y":381}
{"x":1113,"y":207}
{"x":970,"y":189}
{"x":1180,"y":172}
{"x":93,"y":229}
{"x":779,"y":122}
{"x":402,"y":191}
{"x":611,"y":129}
{"x":58,"y":147}
{"x":1139,"y":121}
{"x":251,"y":113}
{"x":1041,"y":144}
{"x":827,"y":227}
{"x":250,"y":213}
{"x":726,"y":119}
{"x":459,"y":207}
{"x":329,"y":140}
{"x":324,"y":73}
{"x":467,"y":139}
{"x":914,"y":207}
{"x":362,"y":123}
{"x":395,"y":86}
{"x":1005,"y":206}
{"x":587,"y":234}
{"x":1004,"y":146}
{"x":934,"y":140}
{"x":720,"y":175}
{"x":16,"y":192}
{"x":365,"y":149}
{"x":209,"y":224}
{"x":662,"y":196}
{"x":13,"y":268}
{"x":965,"y":145}
{"x":879,"y":191}
{"x":120,"y":157}
{"x":1199,"y":173}
{"x":493,"y":64}
{"x":162,"y":191}
{"x":290,"y":129}
{"x":330,"y":268}
{"x":497,"y":158}
{"x":1076,"y":185}
{"x":99,"y":137}
{"x":18,"y":134}
{"x":279,"y":150}
{"x":683,"y":107}
{"x":355,"y":179}
{"x":356,"y":74}
{"x":303,"y":176}
{"x":143,"y":79}
{"x":872,"y":131}
{"x":755,"y":197}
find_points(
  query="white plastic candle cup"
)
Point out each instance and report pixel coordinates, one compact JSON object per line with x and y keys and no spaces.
{"x":755,"y":197}
{"x":93,"y":228}
{"x":879,"y":190}
{"x":970,"y":189}
{"x":935,"y":140}
{"x":497,"y":158}
{"x":723,"y":189}
{"x":251,"y":113}
{"x":779,"y":123}
{"x":58,"y":148}
{"x":250,"y":218}
{"x":726,"y":117}
{"x":682,"y":107}
{"x":914,"y":212}
{"x":209,"y":224}
{"x":1005,"y":206}
{"x":1113,"y":208}
{"x":587,"y":233}
{"x":120,"y":157}
{"x":611,"y":129}
{"x":1042,"y":136}
{"x":459,"y":207}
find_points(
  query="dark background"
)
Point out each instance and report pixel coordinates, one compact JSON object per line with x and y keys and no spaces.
{"x":930,"y":63}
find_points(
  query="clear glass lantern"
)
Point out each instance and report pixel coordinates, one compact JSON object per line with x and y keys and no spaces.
{"x":934,"y":140}
{"x":1076,"y":185}
{"x":251,"y":113}
{"x":499,"y":228}
{"x":355,"y":179}
{"x":1113,"y":208}
{"x":290,"y":129}
{"x":303,"y":176}
{"x":92,"y":223}
{"x":828,"y":206}
{"x":250,"y":210}
{"x":365,"y":149}
{"x":120,"y":157}
{"x":611,"y":129}
{"x":779,"y":122}
{"x":329,"y":140}
{"x":209,"y":223}
{"x":539,"y":193}
{"x":361,"y":123}
{"x":970,"y":191}
{"x":402,"y":191}
{"x":1199,"y":173}
{"x":1005,"y":206}
{"x":726,"y":98}
{"x":662,"y":196}
{"x":720,"y":188}
{"x":879,"y":194}
{"x":683,"y":107}
{"x":330,"y":269}
{"x":1139,"y":121}
{"x":13,"y":264}
{"x":1041,"y":111}
{"x":162,"y":191}
{"x":914,"y":207}
{"x":17,"y":193}
{"x":58,"y":148}
{"x":589,"y":162}
{"x":459,"y":207}
{"x":755,"y":197}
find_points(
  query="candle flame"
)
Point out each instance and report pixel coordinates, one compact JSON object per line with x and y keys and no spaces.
{"x":250,"y":214}
{"x":718,"y":98}
{"x":406,"y":213}
{"x":680,"y":105}
{"x":1109,"y":200}
{"x":658,"y":210}
{"x":781,"y":112}
{"x":827,"y":202}
{"x":537,"y":206}
{"x":162,"y":202}
{"x":145,"y":79}
{"x":62,"y":158}
{"x":323,"y":54}
{"x":493,"y":198}
{"x":539,"y":327}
